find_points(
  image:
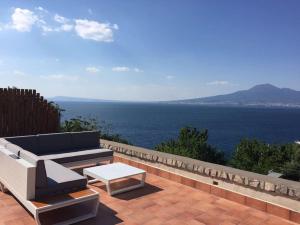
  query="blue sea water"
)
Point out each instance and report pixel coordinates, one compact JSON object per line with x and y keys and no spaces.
{"x":148,"y":124}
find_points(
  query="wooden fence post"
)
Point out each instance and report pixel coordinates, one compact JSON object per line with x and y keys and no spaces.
{"x":25,"y":112}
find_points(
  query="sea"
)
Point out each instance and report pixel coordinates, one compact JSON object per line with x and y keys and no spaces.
{"x":148,"y":124}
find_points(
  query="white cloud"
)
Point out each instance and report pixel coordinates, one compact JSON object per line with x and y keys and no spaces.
{"x":46,"y":28}
{"x":18,"y":73}
{"x":93,"y":30}
{"x":60,"y":77}
{"x":137,"y":70}
{"x":39,"y":8}
{"x":92,"y":69}
{"x":170,"y":77}
{"x":116,"y":27}
{"x":126,"y":69}
{"x":121,"y":69}
{"x":23,"y":20}
{"x":66,"y":27}
{"x":218,"y":83}
{"x":60,"y":19}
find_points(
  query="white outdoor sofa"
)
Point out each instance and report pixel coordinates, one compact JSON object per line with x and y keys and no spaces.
{"x":35,"y":170}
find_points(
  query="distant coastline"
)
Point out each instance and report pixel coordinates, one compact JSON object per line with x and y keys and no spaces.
{"x":258,"y":105}
{"x":263,"y":95}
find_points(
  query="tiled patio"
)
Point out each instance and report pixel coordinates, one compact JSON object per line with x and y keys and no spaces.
{"x":161,"y":201}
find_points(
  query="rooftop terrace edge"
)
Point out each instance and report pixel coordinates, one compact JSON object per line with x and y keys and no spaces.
{"x":276,"y":191}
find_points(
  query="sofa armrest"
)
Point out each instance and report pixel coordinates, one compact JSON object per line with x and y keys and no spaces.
{"x":17,"y":175}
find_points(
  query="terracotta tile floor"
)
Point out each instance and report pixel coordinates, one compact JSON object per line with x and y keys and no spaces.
{"x":160,"y":202}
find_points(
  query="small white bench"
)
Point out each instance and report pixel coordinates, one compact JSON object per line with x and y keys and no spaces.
{"x":115,"y":171}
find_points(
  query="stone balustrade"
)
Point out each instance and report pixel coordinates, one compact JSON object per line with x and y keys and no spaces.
{"x":263,"y":183}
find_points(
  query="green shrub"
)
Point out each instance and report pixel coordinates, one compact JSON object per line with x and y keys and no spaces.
{"x":192,"y":143}
{"x":259,"y":157}
{"x":84,"y":124}
{"x":291,"y":170}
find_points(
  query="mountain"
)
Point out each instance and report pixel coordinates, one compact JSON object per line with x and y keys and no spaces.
{"x":74,"y":99}
{"x":260,"y":95}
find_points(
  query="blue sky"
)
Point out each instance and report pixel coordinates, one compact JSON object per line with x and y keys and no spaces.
{"x":148,"y":50}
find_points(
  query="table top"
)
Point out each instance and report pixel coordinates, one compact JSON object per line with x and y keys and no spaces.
{"x":112,"y":171}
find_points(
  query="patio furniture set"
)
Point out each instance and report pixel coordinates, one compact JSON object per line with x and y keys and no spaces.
{"x":37,"y":170}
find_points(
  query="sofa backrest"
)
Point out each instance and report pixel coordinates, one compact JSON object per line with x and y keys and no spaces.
{"x":85,"y":140}
{"x":29,"y":143}
{"x":54,"y":143}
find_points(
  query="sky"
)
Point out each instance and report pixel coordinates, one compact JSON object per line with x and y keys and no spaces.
{"x":141,"y":50}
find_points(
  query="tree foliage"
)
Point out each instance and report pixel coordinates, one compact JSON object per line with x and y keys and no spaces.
{"x":79,"y":124}
{"x":291,"y":169}
{"x":249,"y":155}
{"x":85,"y":124}
{"x":259,"y":157}
{"x":192,"y":143}
{"x":58,"y":108}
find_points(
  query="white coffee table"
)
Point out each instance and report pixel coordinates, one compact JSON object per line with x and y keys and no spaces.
{"x":110,"y":172}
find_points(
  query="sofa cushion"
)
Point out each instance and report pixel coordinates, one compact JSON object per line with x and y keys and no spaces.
{"x":60,"y":180}
{"x":78,"y":155}
{"x":28,"y":143}
{"x":54,"y":143}
{"x":40,"y":174}
{"x":85,"y":140}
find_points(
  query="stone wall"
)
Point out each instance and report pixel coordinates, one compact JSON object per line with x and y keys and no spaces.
{"x":263,"y":183}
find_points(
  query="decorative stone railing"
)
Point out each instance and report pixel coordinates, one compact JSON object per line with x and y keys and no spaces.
{"x":262,"y":183}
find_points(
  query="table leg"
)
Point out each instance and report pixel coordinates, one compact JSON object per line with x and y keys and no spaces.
{"x":108,"y":187}
{"x":90,"y":181}
{"x":141,"y":184}
{"x":143,"y":179}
